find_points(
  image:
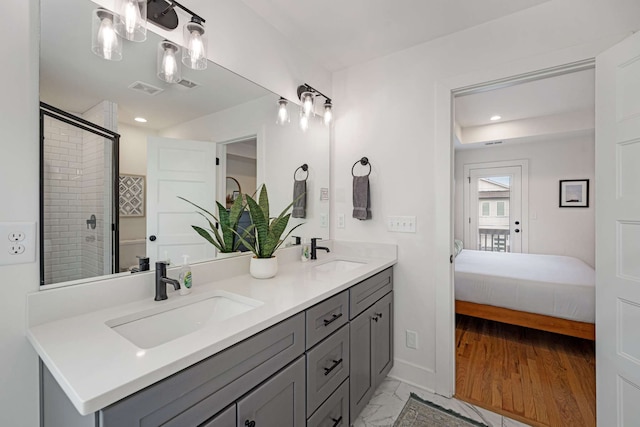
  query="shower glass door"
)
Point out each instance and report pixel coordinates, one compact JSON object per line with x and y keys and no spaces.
{"x":78,"y":210}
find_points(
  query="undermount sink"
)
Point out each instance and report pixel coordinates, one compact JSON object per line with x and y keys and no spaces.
{"x":156,"y":326}
{"x":338,"y":266}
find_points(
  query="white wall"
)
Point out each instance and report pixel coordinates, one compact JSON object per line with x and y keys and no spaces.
{"x":552,"y":230}
{"x":389,"y":110}
{"x":19,"y":188}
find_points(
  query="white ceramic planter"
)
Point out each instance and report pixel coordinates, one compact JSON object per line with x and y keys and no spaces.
{"x":263,"y":268}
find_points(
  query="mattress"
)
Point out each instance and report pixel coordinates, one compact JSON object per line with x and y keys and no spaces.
{"x":557,"y":286}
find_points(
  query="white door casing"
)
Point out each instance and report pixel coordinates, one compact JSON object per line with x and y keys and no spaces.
{"x":179,"y":168}
{"x":618,"y":234}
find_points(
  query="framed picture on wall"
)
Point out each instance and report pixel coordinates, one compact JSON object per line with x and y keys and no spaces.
{"x":574,"y":193}
{"x":132,"y":192}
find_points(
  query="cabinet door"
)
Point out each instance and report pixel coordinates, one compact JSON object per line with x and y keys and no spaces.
{"x":382,"y":338}
{"x":226,"y":418}
{"x":279,"y":402}
{"x":361,"y":381}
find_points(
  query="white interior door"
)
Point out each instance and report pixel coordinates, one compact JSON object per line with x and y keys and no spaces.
{"x":179,"y":168}
{"x":618,"y":234}
{"x":494,"y":208}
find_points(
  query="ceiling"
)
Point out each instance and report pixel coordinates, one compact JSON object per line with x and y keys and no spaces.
{"x":337,"y":34}
{"x":74,"y":79}
{"x":527,"y":109}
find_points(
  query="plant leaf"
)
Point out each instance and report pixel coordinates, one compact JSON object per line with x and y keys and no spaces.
{"x":264,"y":201}
{"x":261,"y":224}
{"x":204,"y":233}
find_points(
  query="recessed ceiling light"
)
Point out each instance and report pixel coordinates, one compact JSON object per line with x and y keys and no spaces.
{"x":494,"y":118}
{"x":140,"y":120}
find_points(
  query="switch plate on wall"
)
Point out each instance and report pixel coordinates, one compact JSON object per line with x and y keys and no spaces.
{"x":412,"y":339}
{"x":17,"y":242}
{"x":341,"y":220}
{"x":401,"y":224}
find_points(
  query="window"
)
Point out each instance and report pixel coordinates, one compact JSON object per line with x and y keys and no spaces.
{"x":485,"y":208}
{"x":500,"y":208}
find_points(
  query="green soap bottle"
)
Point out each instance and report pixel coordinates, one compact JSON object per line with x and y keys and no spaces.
{"x":185,"y":276}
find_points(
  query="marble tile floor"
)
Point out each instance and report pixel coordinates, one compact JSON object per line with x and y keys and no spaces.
{"x":389,"y":399}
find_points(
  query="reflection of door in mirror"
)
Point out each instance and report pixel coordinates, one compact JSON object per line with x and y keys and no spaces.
{"x":239,"y":165}
{"x":233,"y":190}
{"x":179,"y":168}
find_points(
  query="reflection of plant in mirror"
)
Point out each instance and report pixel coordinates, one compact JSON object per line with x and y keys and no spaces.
{"x":266,"y":231}
{"x":223,"y":239}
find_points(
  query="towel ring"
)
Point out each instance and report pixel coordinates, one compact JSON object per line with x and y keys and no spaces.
{"x":364,"y":162}
{"x":305,"y":168}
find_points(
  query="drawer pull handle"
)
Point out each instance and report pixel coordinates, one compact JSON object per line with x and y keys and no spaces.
{"x":327,"y":371}
{"x":374,"y":318}
{"x":250,"y":423}
{"x":337,"y":422}
{"x":333,"y":319}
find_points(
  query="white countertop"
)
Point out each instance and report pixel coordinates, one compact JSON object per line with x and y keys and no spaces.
{"x":96,"y":367}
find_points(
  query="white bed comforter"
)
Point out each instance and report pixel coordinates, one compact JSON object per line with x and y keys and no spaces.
{"x":552,"y":285}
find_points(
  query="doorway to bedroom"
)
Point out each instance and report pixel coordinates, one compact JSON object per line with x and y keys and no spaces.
{"x":524,"y":338}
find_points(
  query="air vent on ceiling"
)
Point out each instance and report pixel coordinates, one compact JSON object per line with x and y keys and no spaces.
{"x":145,"y":87}
{"x":493,"y":143}
{"x":188,"y":83}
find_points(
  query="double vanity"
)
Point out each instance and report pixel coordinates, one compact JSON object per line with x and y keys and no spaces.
{"x":308,"y":347}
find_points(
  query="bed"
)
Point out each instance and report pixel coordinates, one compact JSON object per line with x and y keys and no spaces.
{"x":547,"y":292}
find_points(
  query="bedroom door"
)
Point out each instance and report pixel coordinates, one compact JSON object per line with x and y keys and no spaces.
{"x":494,"y":207}
{"x":618,"y":234}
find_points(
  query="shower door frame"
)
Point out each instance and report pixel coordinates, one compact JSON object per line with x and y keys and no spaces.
{"x":70,"y":119}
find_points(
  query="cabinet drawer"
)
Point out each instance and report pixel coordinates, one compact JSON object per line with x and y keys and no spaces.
{"x":326,"y":317}
{"x":189,"y":397}
{"x":335,"y":411}
{"x":367,"y":292}
{"x":327,"y":367}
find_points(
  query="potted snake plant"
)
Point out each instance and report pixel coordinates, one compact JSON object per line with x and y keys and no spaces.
{"x":267,"y":235}
{"x":224,"y":239}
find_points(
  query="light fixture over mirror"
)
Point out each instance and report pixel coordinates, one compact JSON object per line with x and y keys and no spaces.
{"x":104,"y":41}
{"x":283,"y":112}
{"x":307,"y":96}
{"x":194,"y":55}
{"x":169,"y":68}
{"x":131,"y":19}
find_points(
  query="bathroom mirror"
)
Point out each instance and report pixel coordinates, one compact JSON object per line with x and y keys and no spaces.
{"x":235,"y":117}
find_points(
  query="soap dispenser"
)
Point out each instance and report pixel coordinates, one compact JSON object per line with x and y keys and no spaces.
{"x":185,"y":276}
{"x":305,"y":250}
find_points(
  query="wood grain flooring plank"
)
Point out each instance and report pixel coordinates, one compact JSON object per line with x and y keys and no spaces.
{"x":537,"y":377}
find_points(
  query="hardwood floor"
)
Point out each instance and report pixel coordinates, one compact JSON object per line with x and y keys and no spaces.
{"x":536,"y":377}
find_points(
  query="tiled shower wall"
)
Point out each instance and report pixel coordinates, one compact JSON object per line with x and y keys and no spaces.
{"x":77,"y":183}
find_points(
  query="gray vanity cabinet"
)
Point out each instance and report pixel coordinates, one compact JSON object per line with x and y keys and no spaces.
{"x":226,"y":418}
{"x":279,"y":402}
{"x":371,"y":349}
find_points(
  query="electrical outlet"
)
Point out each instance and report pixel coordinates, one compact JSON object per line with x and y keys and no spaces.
{"x":20,"y":244}
{"x":324,"y":220}
{"x":16,"y":236}
{"x":412,"y":339}
{"x":341,"y":220}
{"x":16,"y":249}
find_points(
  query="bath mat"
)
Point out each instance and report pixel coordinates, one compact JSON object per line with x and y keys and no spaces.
{"x":420,"y":413}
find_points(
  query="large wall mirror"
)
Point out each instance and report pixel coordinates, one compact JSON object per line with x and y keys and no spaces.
{"x":211,"y":114}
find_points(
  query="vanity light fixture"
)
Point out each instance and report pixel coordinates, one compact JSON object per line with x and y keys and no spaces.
{"x":131,"y":19}
{"x":307,"y":96}
{"x":283,"y":112}
{"x":169,"y":67}
{"x":130,"y":22}
{"x":104,"y":40}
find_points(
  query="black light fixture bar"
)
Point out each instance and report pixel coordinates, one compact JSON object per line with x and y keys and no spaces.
{"x":162,"y":13}
{"x":306,"y":88}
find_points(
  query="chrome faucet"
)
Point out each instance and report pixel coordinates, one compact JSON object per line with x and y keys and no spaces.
{"x":315,"y":247}
{"x":162,"y":281}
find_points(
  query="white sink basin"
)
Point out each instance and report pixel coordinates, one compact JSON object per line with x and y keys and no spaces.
{"x":156,"y":326}
{"x":338,"y":266}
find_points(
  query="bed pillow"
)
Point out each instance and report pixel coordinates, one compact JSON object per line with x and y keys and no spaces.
{"x":458,"y":246}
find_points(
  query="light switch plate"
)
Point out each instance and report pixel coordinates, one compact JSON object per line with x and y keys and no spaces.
{"x":401,"y":224}
{"x":324,"y":220}
{"x":17,"y":242}
{"x":341,"y":220}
